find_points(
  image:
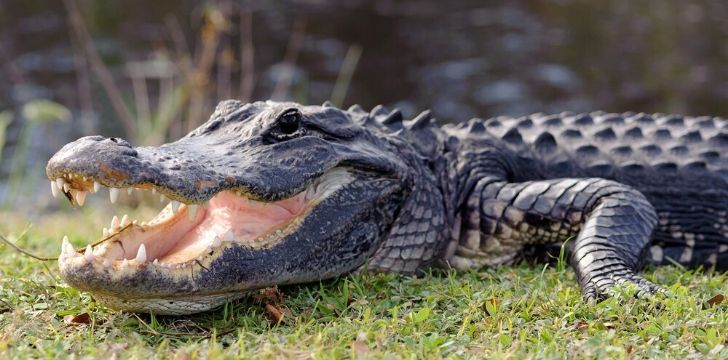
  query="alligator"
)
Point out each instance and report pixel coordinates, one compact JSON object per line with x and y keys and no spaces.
{"x":276,"y":193}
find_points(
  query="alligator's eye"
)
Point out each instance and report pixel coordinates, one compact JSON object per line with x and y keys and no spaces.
{"x":289,"y":121}
{"x":287,"y":126}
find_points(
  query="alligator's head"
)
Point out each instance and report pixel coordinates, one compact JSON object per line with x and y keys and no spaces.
{"x":262,"y":194}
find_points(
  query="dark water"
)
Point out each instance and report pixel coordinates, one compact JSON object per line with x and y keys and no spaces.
{"x":460,"y":59}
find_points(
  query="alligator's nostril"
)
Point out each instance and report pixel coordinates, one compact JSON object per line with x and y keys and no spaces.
{"x":119,"y":141}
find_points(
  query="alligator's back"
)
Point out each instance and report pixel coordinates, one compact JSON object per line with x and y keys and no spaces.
{"x":679,"y":163}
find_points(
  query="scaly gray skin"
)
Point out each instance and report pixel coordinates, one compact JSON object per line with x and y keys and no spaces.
{"x":624,"y":188}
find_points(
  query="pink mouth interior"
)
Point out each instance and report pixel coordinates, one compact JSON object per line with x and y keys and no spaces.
{"x":182,"y":239}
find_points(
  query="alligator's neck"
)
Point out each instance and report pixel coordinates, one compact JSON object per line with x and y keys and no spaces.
{"x":420,"y":233}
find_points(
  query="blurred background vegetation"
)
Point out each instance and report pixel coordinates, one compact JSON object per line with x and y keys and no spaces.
{"x":150,"y":71}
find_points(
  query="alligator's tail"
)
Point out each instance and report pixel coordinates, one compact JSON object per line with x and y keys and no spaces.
{"x":692,"y":229}
{"x":691,"y":257}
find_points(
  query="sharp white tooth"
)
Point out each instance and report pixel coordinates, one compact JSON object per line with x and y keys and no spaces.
{"x":154,"y":190}
{"x":155,"y":262}
{"x":129,"y":191}
{"x":107,"y":262}
{"x":67,"y":249}
{"x":175,"y":206}
{"x":114,"y":223}
{"x":105,"y":232}
{"x":141,"y":256}
{"x":64,"y":242}
{"x":124,"y":263}
{"x":124,"y":220}
{"x":113,"y":195}
{"x":97,"y":187}
{"x":216,"y":241}
{"x":66,"y":186}
{"x":229,"y":236}
{"x":59,"y":183}
{"x":89,"y":254}
{"x":192,"y":212}
{"x":134,"y":222}
{"x":80,"y":197}
{"x":54,"y":189}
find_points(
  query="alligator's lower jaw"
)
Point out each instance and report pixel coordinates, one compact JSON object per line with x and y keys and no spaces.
{"x":155,"y":266}
{"x":169,"y":306}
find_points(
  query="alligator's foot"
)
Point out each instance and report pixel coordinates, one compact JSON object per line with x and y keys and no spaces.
{"x":600,"y":287}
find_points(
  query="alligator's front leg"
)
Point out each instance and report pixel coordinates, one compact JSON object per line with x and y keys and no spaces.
{"x":610,"y":224}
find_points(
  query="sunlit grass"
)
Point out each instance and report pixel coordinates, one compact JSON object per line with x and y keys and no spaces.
{"x":522,"y":311}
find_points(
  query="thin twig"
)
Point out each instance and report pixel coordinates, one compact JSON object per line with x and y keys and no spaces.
{"x":348,"y":66}
{"x":225,"y":57}
{"x":205,"y":59}
{"x":294,"y":47}
{"x":99,"y":68}
{"x":44,"y":258}
{"x":180,"y":45}
{"x":141,"y":94}
{"x":247,"y":57}
{"x":26,"y":252}
{"x":83,"y":82}
{"x":21,"y":250}
{"x":184,"y":63}
{"x":109,"y":237}
{"x":15,"y":75}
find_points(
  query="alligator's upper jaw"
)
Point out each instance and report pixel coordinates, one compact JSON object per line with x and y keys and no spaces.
{"x":192,"y":169}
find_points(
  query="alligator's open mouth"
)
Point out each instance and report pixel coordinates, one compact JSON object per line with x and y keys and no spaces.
{"x":184,"y":235}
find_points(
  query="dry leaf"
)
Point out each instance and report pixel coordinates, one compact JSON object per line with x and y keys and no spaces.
{"x":274,"y":313}
{"x":582,"y":326}
{"x":84,"y":318}
{"x":715,"y":300}
{"x":271,"y":295}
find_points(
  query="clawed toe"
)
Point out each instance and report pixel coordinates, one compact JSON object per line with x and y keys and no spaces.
{"x":600,"y":288}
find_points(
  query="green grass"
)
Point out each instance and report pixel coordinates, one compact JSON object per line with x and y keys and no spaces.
{"x":510,"y":312}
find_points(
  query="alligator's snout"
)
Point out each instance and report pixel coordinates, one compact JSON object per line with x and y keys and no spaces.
{"x":90,"y":155}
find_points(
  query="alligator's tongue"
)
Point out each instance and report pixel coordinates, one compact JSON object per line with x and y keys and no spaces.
{"x":231,"y":216}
